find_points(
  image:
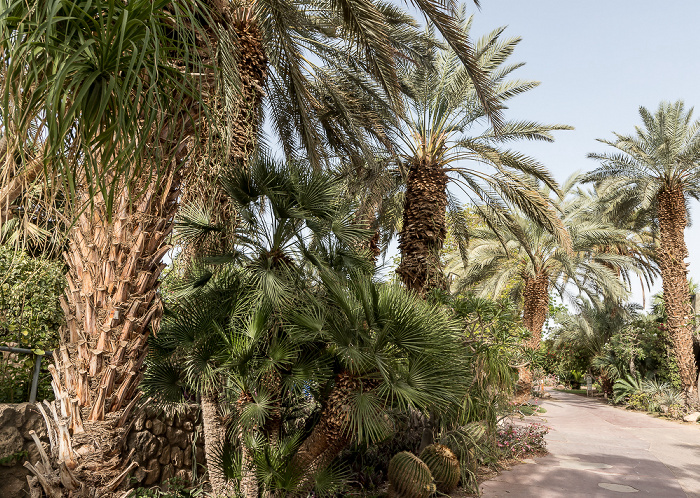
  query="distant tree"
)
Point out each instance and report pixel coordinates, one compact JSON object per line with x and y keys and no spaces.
{"x":658,"y":169}
{"x":537,"y":263}
{"x":441,"y":145}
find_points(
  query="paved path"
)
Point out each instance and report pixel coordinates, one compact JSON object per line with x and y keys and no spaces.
{"x":600,"y":451}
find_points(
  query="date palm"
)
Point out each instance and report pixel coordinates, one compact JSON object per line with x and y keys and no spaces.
{"x":657,"y":169}
{"x":531,"y":262}
{"x":442,"y":145}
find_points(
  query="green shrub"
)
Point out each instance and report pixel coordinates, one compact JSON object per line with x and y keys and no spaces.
{"x":30,"y":316}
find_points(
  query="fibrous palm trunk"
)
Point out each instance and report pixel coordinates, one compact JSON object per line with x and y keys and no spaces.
{"x":670,"y":256}
{"x":424,"y":227}
{"x":330,"y":435}
{"x":535,"y":306}
{"x":214,"y":439}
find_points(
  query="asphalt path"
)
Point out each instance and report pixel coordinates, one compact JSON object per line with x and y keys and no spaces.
{"x":596,"y":450}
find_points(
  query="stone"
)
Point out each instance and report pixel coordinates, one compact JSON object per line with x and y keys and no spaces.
{"x":176,"y":456}
{"x":13,"y":481}
{"x":692,"y":417}
{"x":11,"y":442}
{"x":8,"y":415}
{"x":139,"y":474}
{"x":140,"y":422}
{"x":152,"y":472}
{"x":31,"y":421}
{"x":187,"y":426}
{"x":177,"y":437}
{"x":187,"y":460}
{"x":164,"y":455}
{"x":185,"y":476}
{"x":152,"y":448}
{"x":168,"y":473}
{"x":149,"y":425}
{"x":158,"y":427}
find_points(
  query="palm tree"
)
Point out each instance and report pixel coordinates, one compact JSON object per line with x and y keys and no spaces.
{"x":283,"y":315}
{"x":530,"y":262}
{"x":658,"y":169}
{"x":437,"y":134}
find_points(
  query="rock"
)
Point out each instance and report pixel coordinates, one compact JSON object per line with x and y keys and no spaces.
{"x":185,"y":476}
{"x":152,"y":449}
{"x":177,"y":437}
{"x":164,"y":455}
{"x":31,"y":421}
{"x":187,"y":426}
{"x":13,"y":481}
{"x":187,"y":460}
{"x":11,"y":443}
{"x":692,"y":417}
{"x":152,"y":472}
{"x":140,"y":422}
{"x":176,"y":456}
{"x":8,"y":415}
{"x":158,"y":427}
{"x":168,"y":473}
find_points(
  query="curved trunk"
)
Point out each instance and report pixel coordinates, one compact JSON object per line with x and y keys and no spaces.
{"x":670,"y":256}
{"x":424,"y":228}
{"x":535,"y":306}
{"x":214,"y":440}
{"x":330,"y":435}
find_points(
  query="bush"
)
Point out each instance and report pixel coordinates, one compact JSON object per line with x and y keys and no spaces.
{"x":30,"y":316}
{"x":518,"y":441}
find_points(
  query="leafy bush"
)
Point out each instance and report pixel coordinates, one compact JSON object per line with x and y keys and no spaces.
{"x":648,"y":394}
{"x":518,"y":441}
{"x":30,"y":316}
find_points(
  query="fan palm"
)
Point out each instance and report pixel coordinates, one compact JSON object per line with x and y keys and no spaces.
{"x":282,"y":318}
{"x":437,"y":136}
{"x":658,"y":169}
{"x":534,"y":262}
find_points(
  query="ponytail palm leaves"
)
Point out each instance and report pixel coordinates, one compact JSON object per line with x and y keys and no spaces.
{"x":442,"y":145}
{"x":534,"y":263}
{"x":657,"y":169}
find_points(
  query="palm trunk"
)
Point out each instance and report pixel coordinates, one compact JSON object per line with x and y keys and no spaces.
{"x":535,"y":306}
{"x":214,"y":439}
{"x":424,"y":228}
{"x":330,"y":435}
{"x":201,"y":186}
{"x":671,"y":254}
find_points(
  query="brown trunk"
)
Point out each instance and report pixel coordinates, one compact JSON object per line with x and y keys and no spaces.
{"x":535,"y":307}
{"x":249,"y":483}
{"x":220,"y":155}
{"x":670,"y":256}
{"x":330,"y":435}
{"x":214,"y":439}
{"x":424,"y":228}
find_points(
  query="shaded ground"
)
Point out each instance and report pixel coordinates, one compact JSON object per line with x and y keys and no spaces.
{"x":600,"y":451}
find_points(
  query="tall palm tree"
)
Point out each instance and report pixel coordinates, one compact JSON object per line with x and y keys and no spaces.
{"x":440,"y":146}
{"x":658,"y":169}
{"x":531,"y":262}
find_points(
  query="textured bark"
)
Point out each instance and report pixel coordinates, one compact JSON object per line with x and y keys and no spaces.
{"x":670,"y":256}
{"x":249,"y":483}
{"x":330,"y":435}
{"x":214,"y":439}
{"x":424,"y":228}
{"x":535,"y":306}
{"x":243,"y":127}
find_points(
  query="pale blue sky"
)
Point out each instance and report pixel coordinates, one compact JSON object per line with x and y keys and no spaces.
{"x":598,"y":61}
